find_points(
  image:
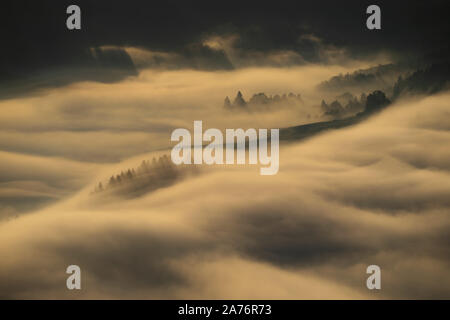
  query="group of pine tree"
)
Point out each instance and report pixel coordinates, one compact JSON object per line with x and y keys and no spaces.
{"x":342,"y":106}
{"x":149,"y":174}
{"x":262,"y":100}
{"x":350,"y":105}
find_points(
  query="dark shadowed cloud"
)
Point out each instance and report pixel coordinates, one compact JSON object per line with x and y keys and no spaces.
{"x":35,"y":39}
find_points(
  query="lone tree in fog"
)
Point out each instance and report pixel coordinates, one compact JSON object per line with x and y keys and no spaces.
{"x":376,"y":101}
{"x":239,"y":100}
{"x":129,"y":174}
{"x":227,"y":102}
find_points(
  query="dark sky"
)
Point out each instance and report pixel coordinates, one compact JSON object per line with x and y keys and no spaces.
{"x":35,"y":38}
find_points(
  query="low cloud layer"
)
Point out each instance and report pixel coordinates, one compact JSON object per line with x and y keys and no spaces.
{"x":92,"y":124}
{"x":375,"y":193}
{"x":97,"y":122}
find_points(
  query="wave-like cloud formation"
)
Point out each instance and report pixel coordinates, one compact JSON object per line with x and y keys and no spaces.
{"x":375,"y":193}
{"x":58,"y":139}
